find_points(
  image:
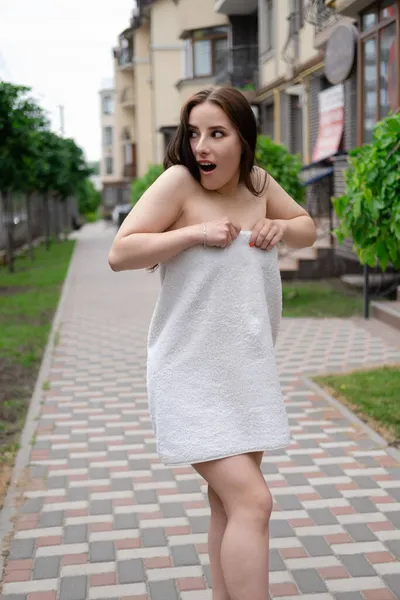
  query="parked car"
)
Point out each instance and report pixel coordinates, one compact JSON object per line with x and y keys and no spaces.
{"x":119,"y":213}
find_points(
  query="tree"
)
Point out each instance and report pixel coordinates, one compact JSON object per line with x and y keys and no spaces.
{"x":89,"y":198}
{"x":282,"y":165}
{"x":139,"y":186}
{"x":369,"y":210}
{"x":20,"y":120}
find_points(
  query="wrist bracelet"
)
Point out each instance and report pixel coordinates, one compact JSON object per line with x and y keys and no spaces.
{"x":205,"y":235}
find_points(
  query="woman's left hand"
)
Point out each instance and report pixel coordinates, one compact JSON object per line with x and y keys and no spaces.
{"x":267,"y":233}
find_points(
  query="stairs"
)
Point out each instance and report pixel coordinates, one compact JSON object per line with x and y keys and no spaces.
{"x":309,"y":263}
{"x":387,"y":311}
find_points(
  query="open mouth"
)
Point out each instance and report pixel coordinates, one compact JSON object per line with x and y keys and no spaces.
{"x":207,"y":167}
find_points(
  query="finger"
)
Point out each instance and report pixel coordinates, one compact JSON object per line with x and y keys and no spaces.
{"x":270,"y":235}
{"x":255,"y":233}
{"x":237,"y":228}
{"x":275,"y":240}
{"x":233,"y":231}
{"x":263,"y":234}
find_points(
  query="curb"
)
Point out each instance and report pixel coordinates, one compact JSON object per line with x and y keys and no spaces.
{"x":353,"y":418}
{"x":22,"y":459}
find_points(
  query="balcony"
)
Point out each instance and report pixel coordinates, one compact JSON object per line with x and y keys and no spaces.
{"x":351,"y":8}
{"x":236,"y":7}
{"x":324,"y":17}
{"x":130,"y":171}
{"x":127,"y":98}
{"x":238,"y":67}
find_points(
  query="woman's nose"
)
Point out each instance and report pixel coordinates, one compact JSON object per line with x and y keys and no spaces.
{"x":202,"y":146}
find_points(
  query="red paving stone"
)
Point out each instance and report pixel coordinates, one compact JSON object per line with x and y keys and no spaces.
{"x":42,"y":596}
{"x":190,"y":583}
{"x":382,"y":594}
{"x":283,"y":589}
{"x":157,"y":562}
{"x":17,"y":575}
{"x":333,"y":573}
{"x":380,"y":557}
{"x":75,"y":559}
{"x":103,"y":579}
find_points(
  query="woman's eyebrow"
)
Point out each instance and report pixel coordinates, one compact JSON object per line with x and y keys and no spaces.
{"x":210,"y":128}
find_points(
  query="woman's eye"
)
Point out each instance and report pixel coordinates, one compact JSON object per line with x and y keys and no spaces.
{"x":192,"y":134}
{"x":218,"y":134}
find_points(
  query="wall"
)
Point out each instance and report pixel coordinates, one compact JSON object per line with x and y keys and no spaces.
{"x":197,"y":14}
{"x":144,"y":117}
{"x":124,"y":118}
{"x":167,"y":61}
{"x":107,"y":121}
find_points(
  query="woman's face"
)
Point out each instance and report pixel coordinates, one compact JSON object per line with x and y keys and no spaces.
{"x":215,"y":144}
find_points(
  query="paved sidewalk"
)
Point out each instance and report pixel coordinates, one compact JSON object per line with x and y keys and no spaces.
{"x":103,"y":518}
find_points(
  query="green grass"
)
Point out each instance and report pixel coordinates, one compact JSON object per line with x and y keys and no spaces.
{"x":372,"y":394}
{"x":28,"y":300}
{"x":328,"y":298}
{"x":27,"y":306}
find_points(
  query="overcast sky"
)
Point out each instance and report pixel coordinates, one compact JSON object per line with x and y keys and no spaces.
{"x":63,"y":50}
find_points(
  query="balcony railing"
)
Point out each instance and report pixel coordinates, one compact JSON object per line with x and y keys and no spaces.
{"x":238,"y":66}
{"x":125,"y":57}
{"x":130,"y":170}
{"x":320,"y":15}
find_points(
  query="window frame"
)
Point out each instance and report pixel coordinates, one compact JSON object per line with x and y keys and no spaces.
{"x":374,"y":32}
{"x":212,"y":36}
{"x":269,"y":34}
{"x":110,"y":99}
{"x":109,"y":161}
{"x":106,"y":142}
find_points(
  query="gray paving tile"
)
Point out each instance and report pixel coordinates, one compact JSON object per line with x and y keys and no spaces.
{"x":21,"y":549}
{"x":33,"y":505}
{"x":280,"y":528}
{"x":146,"y":497}
{"x":188,"y":486}
{"x":52,"y":518}
{"x":316,"y":546}
{"x":393,"y":582}
{"x":309,"y":581}
{"x":289,"y":502}
{"x":394,"y":517}
{"x":322,"y":516}
{"x":183,"y":556}
{"x":199,"y":524}
{"x":358,"y":566}
{"x":47,"y":567}
{"x":363,"y":505}
{"x":14,"y":597}
{"x":75,"y":534}
{"x":73,"y":588}
{"x":360,"y":532}
{"x":276,"y":562}
{"x":126,"y":522}
{"x":153,"y":537}
{"x":163,"y":590}
{"x":102,"y":551}
{"x":77,"y":494}
{"x":100,"y":507}
{"x":328,"y":491}
{"x":122,"y":485}
{"x":394,"y":547}
{"x":172,"y":509}
{"x":349,"y":596}
{"x":131,"y":571}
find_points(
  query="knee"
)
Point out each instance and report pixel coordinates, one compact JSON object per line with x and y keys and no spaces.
{"x":258,"y":506}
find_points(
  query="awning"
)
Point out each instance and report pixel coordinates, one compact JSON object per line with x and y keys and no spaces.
{"x":315,"y":174}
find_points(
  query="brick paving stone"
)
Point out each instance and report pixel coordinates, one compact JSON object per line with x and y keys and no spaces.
{"x":108,"y":520}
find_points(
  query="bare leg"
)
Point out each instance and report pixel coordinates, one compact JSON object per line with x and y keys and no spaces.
{"x":218,"y":523}
{"x":241,"y":487}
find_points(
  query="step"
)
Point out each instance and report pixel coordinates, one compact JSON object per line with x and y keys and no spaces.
{"x":387,"y":311}
{"x":375,"y":280}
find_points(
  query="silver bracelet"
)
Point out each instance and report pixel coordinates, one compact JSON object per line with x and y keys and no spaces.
{"x":205,"y":235}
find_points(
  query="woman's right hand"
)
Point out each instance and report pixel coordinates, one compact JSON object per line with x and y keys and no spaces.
{"x":221,"y":232}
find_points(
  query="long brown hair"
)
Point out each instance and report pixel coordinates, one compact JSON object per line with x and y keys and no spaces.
{"x":239,"y":111}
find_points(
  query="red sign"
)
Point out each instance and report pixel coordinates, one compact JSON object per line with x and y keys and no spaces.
{"x":331,"y":123}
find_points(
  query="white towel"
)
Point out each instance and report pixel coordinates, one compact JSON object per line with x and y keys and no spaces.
{"x":212,"y":380}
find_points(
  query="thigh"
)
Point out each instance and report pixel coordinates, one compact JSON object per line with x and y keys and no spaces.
{"x":236,"y":479}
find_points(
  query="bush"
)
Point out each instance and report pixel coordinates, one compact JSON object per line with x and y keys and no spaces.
{"x":283,"y":166}
{"x":139,"y":186}
{"x":369,"y":210}
{"x":89,"y":198}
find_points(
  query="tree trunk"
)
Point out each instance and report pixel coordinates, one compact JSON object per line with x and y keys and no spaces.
{"x":29,"y":226}
{"x":9,"y":221}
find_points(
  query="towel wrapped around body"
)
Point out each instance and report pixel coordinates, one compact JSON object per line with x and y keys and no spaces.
{"x":212,"y":380}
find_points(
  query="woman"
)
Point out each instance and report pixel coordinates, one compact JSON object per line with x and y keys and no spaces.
{"x":213,"y":220}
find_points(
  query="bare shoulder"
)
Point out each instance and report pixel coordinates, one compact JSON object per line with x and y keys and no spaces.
{"x":177,"y":175}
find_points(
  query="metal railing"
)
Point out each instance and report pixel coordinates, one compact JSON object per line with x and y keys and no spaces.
{"x":320,"y":15}
{"x":239,"y":67}
{"x":125,"y":56}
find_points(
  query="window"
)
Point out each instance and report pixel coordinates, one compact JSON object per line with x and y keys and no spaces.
{"x":127,"y":153}
{"x":108,"y":136}
{"x":108,"y":105}
{"x":269,"y":17}
{"x":206,"y":52}
{"x":109,"y":165}
{"x":379,"y":49}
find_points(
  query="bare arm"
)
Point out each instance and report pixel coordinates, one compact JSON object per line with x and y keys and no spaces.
{"x":299,"y":230}
{"x":142,"y":240}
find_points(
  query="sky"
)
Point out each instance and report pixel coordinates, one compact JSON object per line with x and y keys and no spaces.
{"x":63,"y":51}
